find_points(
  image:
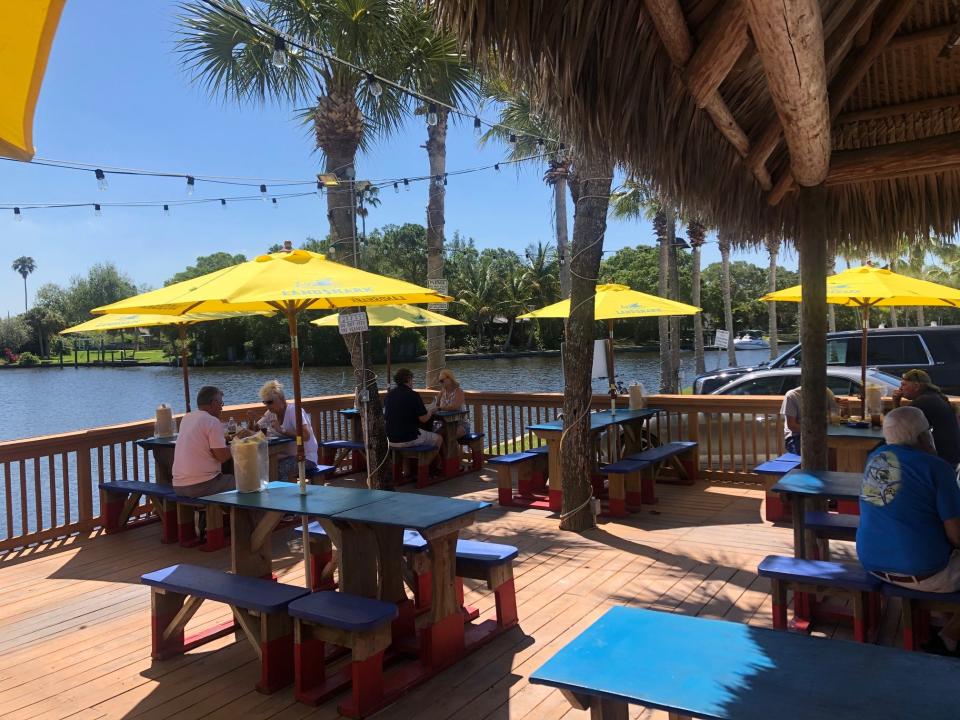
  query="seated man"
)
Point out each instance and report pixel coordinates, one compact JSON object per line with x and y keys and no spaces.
{"x":790,"y":409}
{"x":916,"y":386}
{"x":404,"y":411}
{"x":910,"y":516}
{"x":201,"y":449}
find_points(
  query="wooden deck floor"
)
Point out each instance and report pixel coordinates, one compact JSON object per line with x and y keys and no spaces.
{"x":74,"y":620}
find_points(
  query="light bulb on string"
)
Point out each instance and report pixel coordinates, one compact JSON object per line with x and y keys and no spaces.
{"x":275,"y":203}
{"x":319,"y":189}
{"x":562,"y":147}
{"x":396,"y":188}
{"x":477,"y":130}
{"x":263,"y":193}
{"x":223,"y":204}
{"x":513,"y":139}
{"x":406,"y":185}
{"x":540,"y":144}
{"x":17,"y":215}
{"x":438,"y":182}
{"x":190,"y":183}
{"x":166,"y":210}
{"x":373,"y":86}
{"x":432,"y":118}
{"x":279,"y":57}
{"x":497,"y":167}
{"x":101,"y":179}
{"x":96,"y":210}
{"x":444,"y":179}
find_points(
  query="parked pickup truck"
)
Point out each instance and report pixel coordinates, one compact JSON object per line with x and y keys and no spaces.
{"x":893,"y":350}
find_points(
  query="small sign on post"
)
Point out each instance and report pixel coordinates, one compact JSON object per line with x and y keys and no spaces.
{"x":722,"y":340}
{"x":440,"y":285}
{"x":353,"y":323}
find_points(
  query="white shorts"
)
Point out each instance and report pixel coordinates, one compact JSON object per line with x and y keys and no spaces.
{"x":424,"y":437}
{"x":945,"y":581}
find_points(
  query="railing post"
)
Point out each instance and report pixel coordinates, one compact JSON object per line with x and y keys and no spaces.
{"x":85,"y":491}
{"x":693,"y":433}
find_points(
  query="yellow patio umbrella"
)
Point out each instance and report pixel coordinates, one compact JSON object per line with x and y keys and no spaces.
{"x":289,"y":281}
{"x":27,"y":28}
{"x":866,"y":287}
{"x":103,"y":323}
{"x":395,"y":316}
{"x":617,"y":302}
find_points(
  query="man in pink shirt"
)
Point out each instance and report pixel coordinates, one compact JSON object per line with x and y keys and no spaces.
{"x":201,"y":449}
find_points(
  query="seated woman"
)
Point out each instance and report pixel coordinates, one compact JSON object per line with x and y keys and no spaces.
{"x":280,"y":418}
{"x":451,"y":398}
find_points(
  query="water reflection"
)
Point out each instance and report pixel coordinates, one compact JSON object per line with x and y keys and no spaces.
{"x":42,"y":402}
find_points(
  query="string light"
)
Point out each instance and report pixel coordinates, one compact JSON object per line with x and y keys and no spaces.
{"x":406,"y":185}
{"x":432,"y":118}
{"x":17,"y":215}
{"x":396,"y":188}
{"x":96,"y":210}
{"x":513,"y":139}
{"x":190,"y":183}
{"x":101,"y":179}
{"x":497,"y":167}
{"x":477,"y":129}
{"x":438,"y":181}
{"x":540,"y":143}
{"x":223,"y":204}
{"x":275,"y":204}
{"x":279,"y":57}
{"x":373,"y":86}
{"x":444,"y":179}
{"x":166,"y":210}
{"x":263,"y":192}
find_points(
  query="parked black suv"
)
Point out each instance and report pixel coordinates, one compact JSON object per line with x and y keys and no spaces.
{"x":893,"y":350}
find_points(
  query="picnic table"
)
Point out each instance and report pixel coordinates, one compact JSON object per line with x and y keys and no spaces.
{"x":163,"y":449}
{"x":632,"y":422}
{"x":852,"y":445}
{"x":698,"y":668}
{"x":810,"y":490}
{"x":451,"y":420}
{"x":367,"y":528}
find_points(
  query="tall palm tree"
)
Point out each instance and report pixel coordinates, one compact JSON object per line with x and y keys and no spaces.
{"x":696,"y":236}
{"x":434,"y":66}
{"x":530,"y":141}
{"x":515,"y":294}
{"x":478,"y":294}
{"x":24,"y":265}
{"x":230,"y":51}
{"x":542,"y":277}
{"x":724,"y":243}
{"x":773,"y":250}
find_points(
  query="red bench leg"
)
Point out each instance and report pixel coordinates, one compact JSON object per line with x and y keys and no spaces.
{"x":690,"y":467}
{"x":648,"y":494}
{"x":163,"y":609}
{"x":476,"y":454}
{"x":423,"y":471}
{"x":112,"y":510}
{"x":618,"y":495}
{"x":778,"y":593}
{"x":504,"y":485}
{"x":321,"y":558}
{"x":327,"y":455}
{"x":777,"y":508}
{"x":367,"y":687}
{"x":276,"y":652}
{"x":185,"y":528}
{"x":309,"y":664}
{"x":506,"y":601}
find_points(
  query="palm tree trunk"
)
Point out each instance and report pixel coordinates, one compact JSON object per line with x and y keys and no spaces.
{"x":660,"y":225}
{"x":437,"y":152}
{"x":506,"y":343}
{"x":831,"y":269}
{"x":674,"y":295}
{"x":697,"y":319}
{"x":560,"y":222}
{"x":724,"y":242}
{"x":921,"y":316}
{"x":25,"y":308}
{"x":894,"y":318}
{"x":589,"y":224}
{"x":773,"y":247}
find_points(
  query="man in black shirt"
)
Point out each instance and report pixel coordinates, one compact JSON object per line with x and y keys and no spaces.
{"x":404,"y":411}
{"x":916,"y":386}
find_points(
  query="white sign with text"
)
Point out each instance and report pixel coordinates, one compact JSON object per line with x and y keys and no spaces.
{"x":440,"y":285}
{"x":353,"y":323}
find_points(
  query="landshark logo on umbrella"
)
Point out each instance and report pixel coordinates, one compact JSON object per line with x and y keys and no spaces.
{"x":636,"y":308}
{"x":322,"y":287}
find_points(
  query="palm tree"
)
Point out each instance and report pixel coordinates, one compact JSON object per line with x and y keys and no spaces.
{"x":773,"y":250}
{"x":478,"y":294}
{"x":230,"y":51}
{"x":24,"y":265}
{"x":696,"y":236}
{"x":434,"y":66}
{"x":542,"y":277}
{"x":515,"y":292}
{"x":724,"y":243}
{"x":530,"y":141}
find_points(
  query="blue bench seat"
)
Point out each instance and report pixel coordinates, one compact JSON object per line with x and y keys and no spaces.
{"x":121,"y":498}
{"x":915,"y":609}
{"x":413,"y":449}
{"x":259,"y":606}
{"x":513,"y":458}
{"x":540,"y":450}
{"x":658,"y":457}
{"x":342,"y":444}
{"x":470,"y":437}
{"x":422,"y":455}
{"x":519,"y":465}
{"x":343,"y":454}
{"x":832,"y":526}
{"x":777,"y":507}
{"x":823,"y":578}
{"x":344,"y":611}
{"x":624,"y":485}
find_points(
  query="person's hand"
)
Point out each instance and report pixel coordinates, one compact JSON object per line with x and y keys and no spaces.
{"x":244,"y":433}
{"x":896,"y":396}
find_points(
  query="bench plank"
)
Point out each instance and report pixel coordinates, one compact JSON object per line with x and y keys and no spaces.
{"x":664,"y":452}
{"x":352,"y":613}
{"x":819,"y":572}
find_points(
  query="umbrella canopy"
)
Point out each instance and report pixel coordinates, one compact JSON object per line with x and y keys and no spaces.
{"x":26,"y":33}
{"x":395,"y":316}
{"x":104,"y":323}
{"x":866,"y":287}
{"x":617,"y":302}
{"x":290,"y":281}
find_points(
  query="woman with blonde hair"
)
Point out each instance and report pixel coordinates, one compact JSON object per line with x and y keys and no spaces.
{"x":280,"y":418}
{"x":451,"y":397}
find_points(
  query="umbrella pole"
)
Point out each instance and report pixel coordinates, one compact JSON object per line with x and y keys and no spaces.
{"x":291,"y":314}
{"x":865,"y":311}
{"x":610,"y":370}
{"x":389,"y":335}
{"x":183,"y":362}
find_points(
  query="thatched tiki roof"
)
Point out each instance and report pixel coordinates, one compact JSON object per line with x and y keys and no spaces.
{"x":726,"y":106}
{"x":817,"y":120}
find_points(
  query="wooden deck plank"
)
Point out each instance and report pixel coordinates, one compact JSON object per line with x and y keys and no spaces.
{"x":74,"y":620}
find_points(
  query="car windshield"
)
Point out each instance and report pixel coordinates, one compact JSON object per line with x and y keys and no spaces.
{"x":874,"y":374}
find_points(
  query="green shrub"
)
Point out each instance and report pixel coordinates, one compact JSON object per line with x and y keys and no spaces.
{"x":28,"y":359}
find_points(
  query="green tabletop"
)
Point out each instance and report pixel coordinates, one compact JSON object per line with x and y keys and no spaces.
{"x":600,"y":420}
{"x":844,"y":430}
{"x":450,"y":413}
{"x":821,"y":483}
{"x":410,"y":510}
{"x":169,"y":442}
{"x":285,"y":497}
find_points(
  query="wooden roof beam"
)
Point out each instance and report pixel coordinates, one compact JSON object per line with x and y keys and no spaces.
{"x":887,"y":111}
{"x":672,"y":28}
{"x":841,"y":27}
{"x":917,"y":157}
{"x":724,"y":43}
{"x":934,"y":35}
{"x":789,"y":38}
{"x":852,"y":75}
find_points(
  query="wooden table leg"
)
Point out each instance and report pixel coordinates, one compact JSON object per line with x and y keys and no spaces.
{"x":358,"y":556}
{"x":443,"y":640}
{"x":163,"y":463}
{"x":390,"y":551}
{"x":603,"y":708}
{"x":555,"y":492}
{"x":250,"y":541}
{"x":451,"y":449}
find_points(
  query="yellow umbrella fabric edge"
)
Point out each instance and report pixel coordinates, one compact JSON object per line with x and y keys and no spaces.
{"x":105,"y":323}
{"x":379,"y":318}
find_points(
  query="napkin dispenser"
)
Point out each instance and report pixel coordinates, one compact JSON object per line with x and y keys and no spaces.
{"x":164,"y":426}
{"x":638,"y":396}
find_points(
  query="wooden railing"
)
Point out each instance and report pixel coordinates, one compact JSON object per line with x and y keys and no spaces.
{"x":49,"y":484}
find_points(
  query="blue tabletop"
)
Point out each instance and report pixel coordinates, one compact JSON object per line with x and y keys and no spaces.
{"x":450,"y":413}
{"x":844,"y":430}
{"x":349,"y":411}
{"x":410,"y":510}
{"x":600,"y":420}
{"x":723,"y":670}
{"x":821,"y":483}
{"x":162,"y":442}
{"x":320,"y":500}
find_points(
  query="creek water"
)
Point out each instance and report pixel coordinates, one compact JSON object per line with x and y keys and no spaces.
{"x":52,"y":400}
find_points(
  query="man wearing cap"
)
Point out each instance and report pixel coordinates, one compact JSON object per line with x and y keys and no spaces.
{"x":909,"y":532}
{"x":915,"y":386}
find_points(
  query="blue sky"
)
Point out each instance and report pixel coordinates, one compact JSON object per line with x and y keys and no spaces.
{"x":114,"y":94}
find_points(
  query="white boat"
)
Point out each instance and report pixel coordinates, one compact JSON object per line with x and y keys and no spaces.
{"x":751,"y":340}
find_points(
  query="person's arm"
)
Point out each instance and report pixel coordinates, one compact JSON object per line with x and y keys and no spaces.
{"x":423,"y":413}
{"x":457,"y":402}
{"x":789,"y":415}
{"x":948,"y":503}
{"x":218,"y":445}
{"x":221,"y":454}
{"x":952,"y":528}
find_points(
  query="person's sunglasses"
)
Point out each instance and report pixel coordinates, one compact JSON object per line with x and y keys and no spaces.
{"x":268,"y":402}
